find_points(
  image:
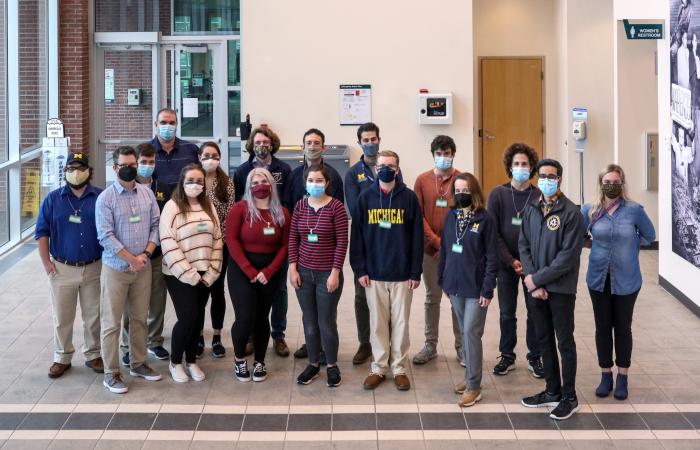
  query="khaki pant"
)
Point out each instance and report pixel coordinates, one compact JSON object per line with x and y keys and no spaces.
{"x":68,"y":285}
{"x":389,"y":310}
{"x":433,"y":296}
{"x":156,"y":309}
{"x":122,"y":290}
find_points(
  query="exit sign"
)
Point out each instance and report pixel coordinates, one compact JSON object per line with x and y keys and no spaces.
{"x":643,"y":30}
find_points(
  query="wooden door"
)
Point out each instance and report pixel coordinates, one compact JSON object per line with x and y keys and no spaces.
{"x":511,"y":111}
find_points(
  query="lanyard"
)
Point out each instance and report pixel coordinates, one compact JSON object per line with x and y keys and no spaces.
{"x":512,"y":194}
{"x":468,"y":218}
{"x":602,"y":213}
{"x":438,"y":187}
{"x":308,"y":205}
{"x":391,"y":195}
{"x":80,"y":203}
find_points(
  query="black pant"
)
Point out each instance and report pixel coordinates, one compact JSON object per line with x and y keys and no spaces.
{"x":189,"y":302}
{"x":613,"y":313}
{"x":554,"y":318}
{"x":251,"y":305}
{"x":508,"y":282}
{"x":217,"y":309}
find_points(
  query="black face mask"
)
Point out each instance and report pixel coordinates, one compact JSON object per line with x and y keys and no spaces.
{"x":463,"y":200}
{"x":127,"y":173}
{"x":386,"y":174}
{"x":612,"y":191}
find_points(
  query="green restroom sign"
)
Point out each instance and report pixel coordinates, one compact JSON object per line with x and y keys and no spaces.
{"x":643,"y":30}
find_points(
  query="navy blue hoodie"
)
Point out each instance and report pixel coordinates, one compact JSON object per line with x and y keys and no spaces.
{"x":472,"y":273}
{"x":279,"y":169}
{"x":387,"y":254}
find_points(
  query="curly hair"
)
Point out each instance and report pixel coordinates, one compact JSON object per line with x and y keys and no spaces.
{"x":265,"y":131}
{"x":513,"y":150}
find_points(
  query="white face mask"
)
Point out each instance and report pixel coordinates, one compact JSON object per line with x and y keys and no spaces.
{"x":210,"y":165}
{"x":193,"y":189}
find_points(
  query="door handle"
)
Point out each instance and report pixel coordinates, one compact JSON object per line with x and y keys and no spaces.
{"x":488,"y":135}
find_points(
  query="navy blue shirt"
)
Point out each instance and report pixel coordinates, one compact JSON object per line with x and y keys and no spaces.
{"x":169,"y":165}
{"x":296,"y":186}
{"x":68,"y":241}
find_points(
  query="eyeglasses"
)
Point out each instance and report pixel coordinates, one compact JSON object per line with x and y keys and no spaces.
{"x":551,"y":176}
{"x":121,"y":166}
{"x":74,"y":168}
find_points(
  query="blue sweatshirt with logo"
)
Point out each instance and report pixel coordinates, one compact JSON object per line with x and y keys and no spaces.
{"x":386,"y":240}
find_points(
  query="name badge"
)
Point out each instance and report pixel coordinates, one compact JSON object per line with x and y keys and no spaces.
{"x":135,"y":218}
{"x":202,"y":227}
{"x":269,"y":231}
{"x":457,"y":248}
{"x":516,"y":221}
{"x":441,"y":203}
{"x":384,"y":224}
{"x":74,"y":218}
{"x":312,"y":237}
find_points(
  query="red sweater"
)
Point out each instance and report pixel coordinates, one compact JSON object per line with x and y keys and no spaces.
{"x":242,"y":237}
{"x":330,"y":225}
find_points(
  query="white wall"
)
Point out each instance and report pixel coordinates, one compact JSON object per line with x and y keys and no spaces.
{"x":297,"y":53}
{"x":637,"y":113}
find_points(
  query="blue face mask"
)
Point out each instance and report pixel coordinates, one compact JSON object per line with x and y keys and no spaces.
{"x":443,"y":162}
{"x":520,"y":174}
{"x":315,"y":190}
{"x":370,"y":149}
{"x":548,"y":187}
{"x":167,"y":132}
{"x":145,"y":171}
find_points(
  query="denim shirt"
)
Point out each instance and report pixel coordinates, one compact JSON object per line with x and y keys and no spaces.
{"x":616,"y":241}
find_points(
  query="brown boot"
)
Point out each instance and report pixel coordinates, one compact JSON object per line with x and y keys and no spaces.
{"x":281,"y":348}
{"x":402,"y":382}
{"x":58,"y":369}
{"x":364,"y":352}
{"x":470,"y":397}
{"x":96,"y":365}
{"x":372,"y":381}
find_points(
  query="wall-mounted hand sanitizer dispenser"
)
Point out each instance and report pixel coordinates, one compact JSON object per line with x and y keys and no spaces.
{"x":434,"y":108}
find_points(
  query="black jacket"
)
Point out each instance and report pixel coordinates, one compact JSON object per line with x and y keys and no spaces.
{"x":472,"y":273}
{"x":393,"y":254}
{"x":296,"y":186}
{"x":550,"y":246}
{"x":280,"y":171}
{"x":358,"y":179}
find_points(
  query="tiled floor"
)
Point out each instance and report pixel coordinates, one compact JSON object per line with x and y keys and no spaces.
{"x":75,"y":411}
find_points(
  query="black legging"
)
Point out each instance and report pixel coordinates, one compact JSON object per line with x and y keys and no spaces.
{"x":613,"y":313}
{"x":217,"y":309}
{"x":189,"y":302}
{"x":251,"y":305}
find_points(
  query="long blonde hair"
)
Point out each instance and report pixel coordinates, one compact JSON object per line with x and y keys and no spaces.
{"x":276,"y":209}
{"x":599,"y":201}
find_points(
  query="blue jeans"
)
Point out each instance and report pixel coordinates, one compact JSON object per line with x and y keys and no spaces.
{"x":319,"y":312}
{"x":508,"y":282}
{"x":280,"y":302}
{"x":471,"y":318}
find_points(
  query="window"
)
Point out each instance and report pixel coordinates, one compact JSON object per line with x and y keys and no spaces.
{"x":3,"y":91}
{"x":206,"y":16}
{"x":132,"y":16}
{"x":33,"y":73}
{"x":4,"y":209}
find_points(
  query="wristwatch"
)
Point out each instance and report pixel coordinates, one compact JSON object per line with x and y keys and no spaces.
{"x":147,"y":253}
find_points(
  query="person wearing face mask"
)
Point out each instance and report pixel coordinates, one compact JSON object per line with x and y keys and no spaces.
{"x":257,"y":235}
{"x":314,"y":146}
{"x":71,"y":253}
{"x":192,"y":251}
{"x":127,"y":217}
{"x":318,"y":241}
{"x":146,"y":154}
{"x":386,"y":254}
{"x":507,"y":204}
{"x":467,"y":268}
{"x":433,"y":190}
{"x":617,"y":227}
{"x":358,"y":179}
{"x":172,"y":153}
{"x":551,"y":239}
{"x":221,"y":194}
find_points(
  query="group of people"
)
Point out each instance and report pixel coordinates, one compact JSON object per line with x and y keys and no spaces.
{"x":174,"y":221}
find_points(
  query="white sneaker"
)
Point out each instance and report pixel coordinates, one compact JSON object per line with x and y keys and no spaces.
{"x":195,"y":372}
{"x":177,"y":371}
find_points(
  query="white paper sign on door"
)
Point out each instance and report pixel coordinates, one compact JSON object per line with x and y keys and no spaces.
{"x":190,"y":107}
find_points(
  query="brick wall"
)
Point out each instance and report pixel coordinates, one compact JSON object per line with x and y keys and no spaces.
{"x":132,"y":69}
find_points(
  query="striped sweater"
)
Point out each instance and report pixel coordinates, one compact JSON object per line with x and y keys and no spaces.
{"x":191,"y":244}
{"x":329,"y":225}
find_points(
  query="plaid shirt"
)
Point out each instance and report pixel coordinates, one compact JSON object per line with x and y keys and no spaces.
{"x":126,"y":220}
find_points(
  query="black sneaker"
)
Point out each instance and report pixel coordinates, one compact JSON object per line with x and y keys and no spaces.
{"x":308,"y":375}
{"x":259,"y":371}
{"x":333,"y":376}
{"x":322,"y":358}
{"x":565,"y":409}
{"x":159,"y":352}
{"x":200,"y":347}
{"x":540,"y":400}
{"x":505,"y":365}
{"x":240,"y":370}
{"x":301,"y":352}
{"x":534,"y":366}
{"x":217,"y":348}
{"x":126,"y":362}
